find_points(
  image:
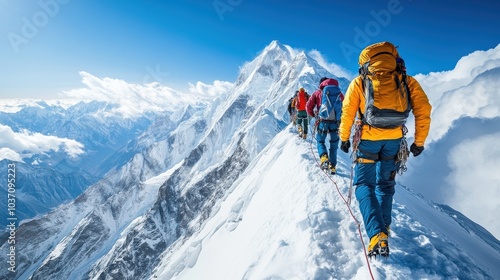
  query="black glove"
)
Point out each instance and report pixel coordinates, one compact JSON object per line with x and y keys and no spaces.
{"x":345,"y":145}
{"x":416,"y":150}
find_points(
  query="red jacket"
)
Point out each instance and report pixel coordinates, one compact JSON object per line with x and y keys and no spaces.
{"x":302,"y":98}
{"x":314,"y":101}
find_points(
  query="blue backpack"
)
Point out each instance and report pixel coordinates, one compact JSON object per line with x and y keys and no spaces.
{"x":331,"y":102}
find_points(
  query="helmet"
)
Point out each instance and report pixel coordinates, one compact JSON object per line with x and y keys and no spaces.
{"x":301,"y":89}
{"x":322,"y":79}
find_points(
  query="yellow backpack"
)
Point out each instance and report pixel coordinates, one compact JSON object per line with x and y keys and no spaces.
{"x":387,"y":96}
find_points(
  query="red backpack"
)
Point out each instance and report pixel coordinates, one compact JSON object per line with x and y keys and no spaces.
{"x":302,"y":98}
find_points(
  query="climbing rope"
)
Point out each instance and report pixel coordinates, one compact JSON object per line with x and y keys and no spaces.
{"x":346,"y":202}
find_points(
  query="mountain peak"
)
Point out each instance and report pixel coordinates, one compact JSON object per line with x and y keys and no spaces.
{"x":275,"y":48}
{"x":275,"y":44}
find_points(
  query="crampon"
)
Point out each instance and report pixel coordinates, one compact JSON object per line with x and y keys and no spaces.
{"x":379,"y":246}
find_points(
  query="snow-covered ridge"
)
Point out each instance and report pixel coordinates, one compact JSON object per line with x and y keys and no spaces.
{"x":230,"y":179}
{"x":284,"y":219}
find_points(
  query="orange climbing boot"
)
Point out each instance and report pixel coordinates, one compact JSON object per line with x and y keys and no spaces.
{"x":323,"y":159}
{"x":332,"y":168}
{"x":379,"y":245}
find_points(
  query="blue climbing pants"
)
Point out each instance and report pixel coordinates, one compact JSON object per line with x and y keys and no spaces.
{"x":374,"y":179}
{"x":324,"y":129}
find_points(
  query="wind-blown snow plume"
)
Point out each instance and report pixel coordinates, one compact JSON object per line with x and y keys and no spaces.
{"x":332,"y":67}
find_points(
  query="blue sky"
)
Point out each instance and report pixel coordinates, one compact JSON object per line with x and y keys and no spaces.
{"x":45,"y":43}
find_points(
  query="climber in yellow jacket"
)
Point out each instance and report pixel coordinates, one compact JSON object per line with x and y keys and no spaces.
{"x":381,"y":97}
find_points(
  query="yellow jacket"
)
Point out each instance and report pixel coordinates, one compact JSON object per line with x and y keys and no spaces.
{"x":355,"y":100}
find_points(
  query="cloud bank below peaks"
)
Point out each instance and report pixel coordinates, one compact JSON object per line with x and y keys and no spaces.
{"x":478,"y":194}
{"x":18,"y":145}
{"x":466,"y":69}
{"x":470,"y":89}
{"x":133,"y":100}
{"x":205,"y":90}
{"x":463,"y":156}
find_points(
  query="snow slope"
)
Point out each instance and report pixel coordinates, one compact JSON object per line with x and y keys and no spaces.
{"x":285,"y":219}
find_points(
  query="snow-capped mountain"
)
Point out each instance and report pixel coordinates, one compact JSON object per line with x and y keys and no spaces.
{"x":49,"y":178}
{"x":228,"y":191}
{"x":72,"y":143}
{"x":43,"y":188}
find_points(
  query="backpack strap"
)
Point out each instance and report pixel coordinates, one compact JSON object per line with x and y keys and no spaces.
{"x":404,"y":89}
{"x":365,"y":85}
{"x":407,"y":89}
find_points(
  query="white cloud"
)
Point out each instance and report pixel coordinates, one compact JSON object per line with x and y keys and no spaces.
{"x":26,"y":143}
{"x":331,"y":67}
{"x":467,"y":68}
{"x":212,"y":91}
{"x":477,"y":99}
{"x":470,"y":89}
{"x":6,"y":153}
{"x":475,"y":180}
{"x":13,"y":106}
{"x":132,"y":100}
